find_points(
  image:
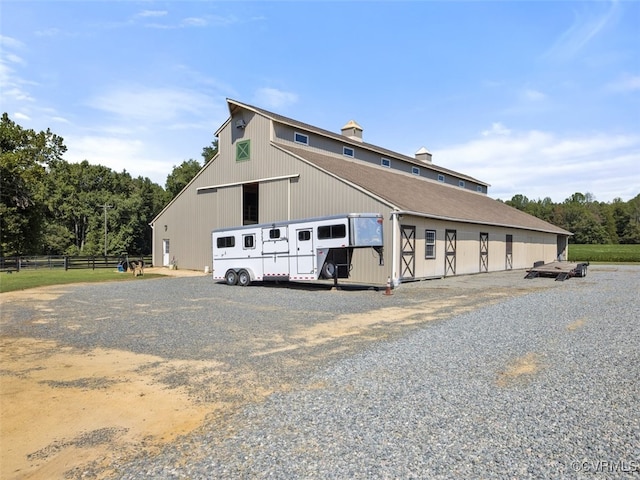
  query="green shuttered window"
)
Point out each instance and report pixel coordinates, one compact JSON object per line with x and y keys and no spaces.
{"x":243,"y":150}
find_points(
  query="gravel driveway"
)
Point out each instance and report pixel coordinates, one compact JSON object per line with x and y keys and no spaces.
{"x":484,"y":376}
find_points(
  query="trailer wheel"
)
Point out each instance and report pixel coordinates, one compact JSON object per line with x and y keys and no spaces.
{"x":328,"y":270}
{"x":244,"y":278}
{"x":231,"y":277}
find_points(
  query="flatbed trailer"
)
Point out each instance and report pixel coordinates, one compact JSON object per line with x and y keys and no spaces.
{"x":558,"y":270}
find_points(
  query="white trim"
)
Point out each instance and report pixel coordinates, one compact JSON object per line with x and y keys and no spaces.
{"x":302,"y":135}
{"x":244,"y":182}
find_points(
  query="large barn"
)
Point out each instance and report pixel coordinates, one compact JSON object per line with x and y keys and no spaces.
{"x":271,"y":168}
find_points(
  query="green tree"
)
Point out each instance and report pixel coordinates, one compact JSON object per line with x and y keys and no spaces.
{"x":181,"y":175}
{"x":24,"y":155}
{"x":209,"y":152}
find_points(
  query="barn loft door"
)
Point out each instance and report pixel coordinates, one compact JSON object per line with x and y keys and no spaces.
{"x":408,"y":251}
{"x":509,"y":248}
{"x":449,"y":252}
{"x":484,"y":252}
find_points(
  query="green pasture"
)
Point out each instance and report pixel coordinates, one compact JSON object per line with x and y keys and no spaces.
{"x":604,"y":253}
{"x":41,"y":277}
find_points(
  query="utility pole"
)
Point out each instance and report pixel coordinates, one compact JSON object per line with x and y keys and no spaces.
{"x":105,"y":206}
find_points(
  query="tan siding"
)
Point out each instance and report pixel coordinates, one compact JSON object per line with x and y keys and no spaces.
{"x":274,"y":200}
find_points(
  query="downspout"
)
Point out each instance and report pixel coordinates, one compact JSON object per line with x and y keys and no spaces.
{"x":153,"y":243}
{"x":394,"y":254}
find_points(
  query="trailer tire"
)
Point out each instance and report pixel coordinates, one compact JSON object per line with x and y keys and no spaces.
{"x":328,"y":269}
{"x":244,"y":278}
{"x":231,"y":277}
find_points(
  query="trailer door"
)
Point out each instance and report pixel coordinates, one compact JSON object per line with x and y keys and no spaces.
{"x":275,"y":251}
{"x":304,"y":250}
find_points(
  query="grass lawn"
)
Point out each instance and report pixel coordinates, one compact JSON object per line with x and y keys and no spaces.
{"x":24,"y":279}
{"x":604,"y":253}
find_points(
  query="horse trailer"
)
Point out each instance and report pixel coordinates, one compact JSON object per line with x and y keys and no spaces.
{"x":299,"y":250}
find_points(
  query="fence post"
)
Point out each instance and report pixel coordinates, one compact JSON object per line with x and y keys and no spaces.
{"x":66,"y":263}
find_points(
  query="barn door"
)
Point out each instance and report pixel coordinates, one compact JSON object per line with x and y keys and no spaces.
{"x":509,"y":249}
{"x":484,"y":252}
{"x":408,"y":251}
{"x":449,"y":252}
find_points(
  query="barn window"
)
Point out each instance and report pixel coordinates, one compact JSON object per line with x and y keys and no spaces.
{"x":385,"y":162}
{"x":226,"y":242}
{"x":415,"y":170}
{"x":441,"y":178}
{"x":479,"y":188}
{"x":461,"y":183}
{"x":243,"y":150}
{"x":430,"y":244}
{"x":348,"y":152}
{"x":332,"y":231}
{"x":301,"y":138}
{"x":249,"y":241}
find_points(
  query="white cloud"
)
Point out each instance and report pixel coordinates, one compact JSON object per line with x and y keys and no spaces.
{"x":119,"y":154}
{"x":153,"y":105}
{"x":627,"y":83}
{"x":21,"y":116}
{"x":152,"y":13}
{"x":194,"y":22}
{"x":542,"y":164}
{"x":586,"y":26}
{"x":274,"y":98}
{"x":533,"y":95}
{"x":497,"y":128}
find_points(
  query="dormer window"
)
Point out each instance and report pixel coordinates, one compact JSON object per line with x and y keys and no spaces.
{"x":441,"y":178}
{"x":415,"y":170}
{"x":348,"y":152}
{"x":385,"y":162}
{"x":461,"y":183}
{"x":301,"y":138}
{"x":479,"y":188}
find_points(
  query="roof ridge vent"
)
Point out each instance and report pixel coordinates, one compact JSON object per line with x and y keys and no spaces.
{"x":424,"y":155}
{"x":352,"y":130}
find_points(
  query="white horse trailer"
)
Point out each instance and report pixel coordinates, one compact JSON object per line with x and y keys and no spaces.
{"x":306,"y":250}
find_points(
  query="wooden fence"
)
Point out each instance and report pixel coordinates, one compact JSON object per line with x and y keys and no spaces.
{"x":16,"y":264}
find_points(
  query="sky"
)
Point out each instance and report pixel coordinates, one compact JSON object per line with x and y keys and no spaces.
{"x":536,"y":98}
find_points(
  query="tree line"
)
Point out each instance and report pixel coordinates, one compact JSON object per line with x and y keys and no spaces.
{"x":49,"y":206}
{"x":591,"y":222}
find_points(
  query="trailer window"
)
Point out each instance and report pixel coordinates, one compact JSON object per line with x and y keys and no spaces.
{"x":226,"y":242}
{"x":249,"y":241}
{"x":304,"y":235}
{"x":274,"y":233}
{"x":332,"y":231}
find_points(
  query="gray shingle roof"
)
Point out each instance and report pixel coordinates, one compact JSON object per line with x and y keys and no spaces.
{"x":425,"y":197}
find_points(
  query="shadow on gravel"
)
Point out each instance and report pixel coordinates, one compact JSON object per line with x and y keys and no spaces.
{"x":316,"y":286}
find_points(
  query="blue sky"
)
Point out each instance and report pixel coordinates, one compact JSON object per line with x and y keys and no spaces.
{"x":539,"y":98}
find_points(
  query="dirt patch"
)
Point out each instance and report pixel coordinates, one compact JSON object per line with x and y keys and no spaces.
{"x":62,"y":407}
{"x":519,"y":369}
{"x":573,"y":326}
